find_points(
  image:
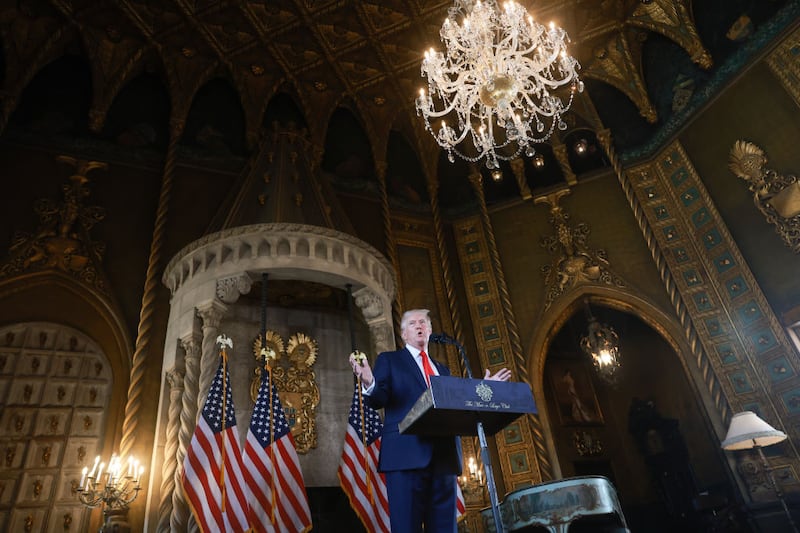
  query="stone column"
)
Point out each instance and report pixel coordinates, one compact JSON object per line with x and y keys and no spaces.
{"x":378,"y":317}
{"x":211,"y":313}
{"x":188,"y":415}
{"x":175,"y":379}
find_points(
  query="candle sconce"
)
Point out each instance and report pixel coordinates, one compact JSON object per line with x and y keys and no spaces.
{"x":113,"y":488}
{"x":472,"y":482}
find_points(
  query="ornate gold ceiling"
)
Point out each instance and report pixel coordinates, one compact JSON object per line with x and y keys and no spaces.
{"x":322,"y":52}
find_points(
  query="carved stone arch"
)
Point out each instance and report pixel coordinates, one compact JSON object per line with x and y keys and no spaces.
{"x":234,"y":125}
{"x":183,"y":86}
{"x":356,"y":113}
{"x":108,"y":101}
{"x":290,"y":91}
{"x":23,"y":66}
{"x":110,"y":76}
{"x":58,"y":298}
{"x":649,"y":312}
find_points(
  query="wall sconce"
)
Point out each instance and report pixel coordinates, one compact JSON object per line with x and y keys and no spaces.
{"x":113,"y":488}
{"x":775,"y":195}
{"x":601,"y":344}
{"x":472,"y":481}
{"x":749,"y":432}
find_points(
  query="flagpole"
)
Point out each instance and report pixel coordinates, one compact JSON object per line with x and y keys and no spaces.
{"x":224,"y":409}
{"x":359,"y":356}
{"x":266,"y":372}
{"x":223,"y":341}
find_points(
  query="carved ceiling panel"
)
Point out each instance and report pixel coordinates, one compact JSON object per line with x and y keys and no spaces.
{"x":368,"y":52}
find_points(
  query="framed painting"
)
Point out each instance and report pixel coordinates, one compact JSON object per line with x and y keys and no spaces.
{"x":574,"y":393}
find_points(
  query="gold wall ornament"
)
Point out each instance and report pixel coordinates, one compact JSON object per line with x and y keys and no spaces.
{"x":296,"y":383}
{"x":587,"y":444}
{"x":574,"y":263}
{"x":775,"y":195}
{"x":62,"y":240}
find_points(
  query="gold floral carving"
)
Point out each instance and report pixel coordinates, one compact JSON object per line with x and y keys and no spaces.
{"x":62,"y":241}
{"x":574,"y":263}
{"x":586,"y":443}
{"x":775,"y":195}
{"x":295,"y":380}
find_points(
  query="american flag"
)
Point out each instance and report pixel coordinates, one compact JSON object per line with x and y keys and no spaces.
{"x":358,"y":468}
{"x":461,"y":505}
{"x":212,"y":468}
{"x":278,"y":501}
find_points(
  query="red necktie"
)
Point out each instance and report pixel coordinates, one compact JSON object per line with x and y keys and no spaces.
{"x":427,"y":369}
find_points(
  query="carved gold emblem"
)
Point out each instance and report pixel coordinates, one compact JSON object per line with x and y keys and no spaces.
{"x":295,"y":380}
{"x":777,"y":196}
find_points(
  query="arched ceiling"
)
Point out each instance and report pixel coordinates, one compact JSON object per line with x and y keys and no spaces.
{"x":638,"y":57}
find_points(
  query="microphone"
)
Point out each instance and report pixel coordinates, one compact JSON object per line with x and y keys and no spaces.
{"x":444,"y":338}
{"x":440,"y":338}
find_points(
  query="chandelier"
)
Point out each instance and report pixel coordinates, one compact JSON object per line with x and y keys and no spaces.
{"x":496,"y":82}
{"x":601,"y":344}
{"x":113,"y":488}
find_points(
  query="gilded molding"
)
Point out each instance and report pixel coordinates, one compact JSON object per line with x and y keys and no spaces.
{"x":784,"y":65}
{"x":614,"y":64}
{"x":520,"y":456}
{"x":673,"y":20}
{"x":746,"y":354}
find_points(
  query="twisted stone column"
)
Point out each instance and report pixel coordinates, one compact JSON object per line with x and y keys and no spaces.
{"x":211,"y":314}
{"x":192,"y":345}
{"x":391,"y":249}
{"x":452,"y":300}
{"x":175,"y":380}
{"x":539,"y":443}
{"x":444,"y":259}
{"x":151,"y":285}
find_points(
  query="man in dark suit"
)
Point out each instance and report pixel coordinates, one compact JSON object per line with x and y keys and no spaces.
{"x":420,"y":471}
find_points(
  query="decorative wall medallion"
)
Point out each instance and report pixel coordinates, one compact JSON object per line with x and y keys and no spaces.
{"x":296,"y":383}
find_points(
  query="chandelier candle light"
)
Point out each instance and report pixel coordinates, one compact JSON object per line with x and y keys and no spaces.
{"x":114,"y":487}
{"x":496,"y":82}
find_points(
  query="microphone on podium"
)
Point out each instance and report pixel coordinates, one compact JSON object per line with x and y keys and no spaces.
{"x":444,"y":338}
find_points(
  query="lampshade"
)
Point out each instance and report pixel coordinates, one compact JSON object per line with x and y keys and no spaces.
{"x":747,"y":431}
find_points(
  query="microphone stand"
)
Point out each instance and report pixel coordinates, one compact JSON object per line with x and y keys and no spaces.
{"x":443,"y":338}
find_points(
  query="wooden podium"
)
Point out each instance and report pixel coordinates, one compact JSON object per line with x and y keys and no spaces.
{"x":455,"y":406}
